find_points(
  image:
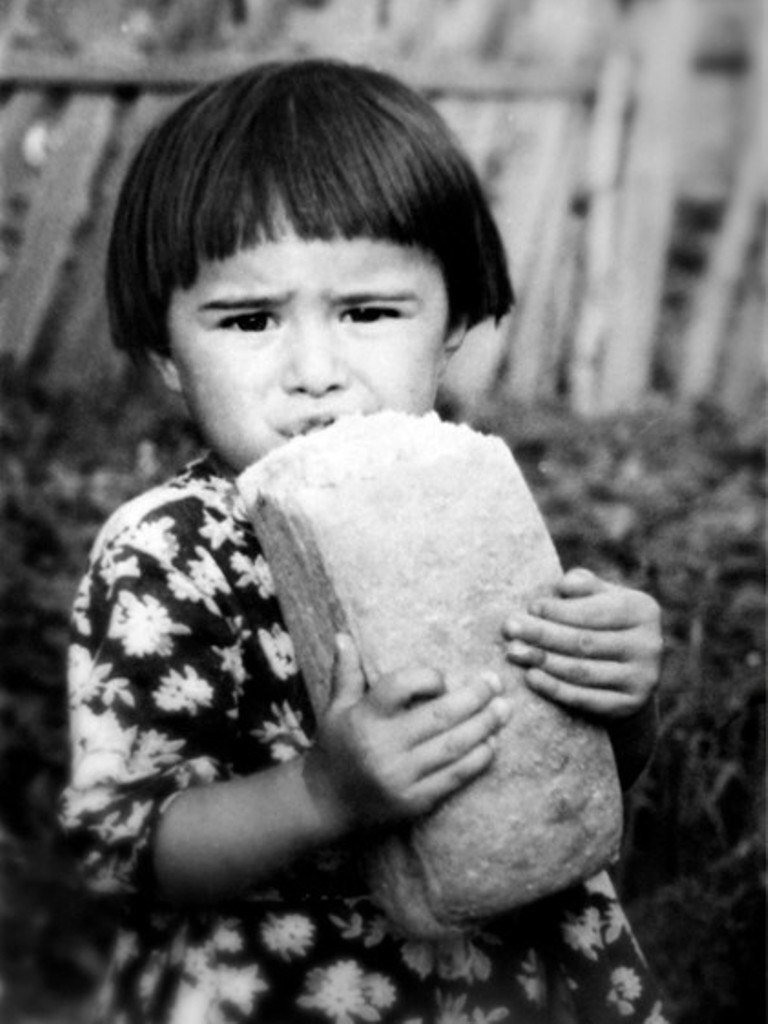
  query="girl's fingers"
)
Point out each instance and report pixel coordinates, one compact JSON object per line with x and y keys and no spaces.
{"x":615,"y":608}
{"x":431,"y":789}
{"x":529,"y":635}
{"x":523,"y":654}
{"x":606,"y":675}
{"x":581,"y":583}
{"x":589,"y":700}
{"x":454,"y":745}
{"x":437,"y":717}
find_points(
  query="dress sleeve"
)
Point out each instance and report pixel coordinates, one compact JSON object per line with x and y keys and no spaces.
{"x":154,"y":679}
{"x":633,"y":740}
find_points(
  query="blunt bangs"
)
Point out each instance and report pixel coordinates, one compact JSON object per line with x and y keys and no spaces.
{"x":325,"y":149}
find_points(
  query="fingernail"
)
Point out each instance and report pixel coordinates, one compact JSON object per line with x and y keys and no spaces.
{"x":518,"y":649}
{"x":493,"y":680}
{"x":502,"y":709}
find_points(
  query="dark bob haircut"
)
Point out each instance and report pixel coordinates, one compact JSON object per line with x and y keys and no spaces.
{"x":331,"y":149}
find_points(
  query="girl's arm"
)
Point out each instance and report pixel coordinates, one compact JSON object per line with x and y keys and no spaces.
{"x":216,"y":841}
{"x":376,"y":759}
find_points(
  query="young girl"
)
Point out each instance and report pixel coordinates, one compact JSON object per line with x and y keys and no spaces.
{"x":290,"y":246}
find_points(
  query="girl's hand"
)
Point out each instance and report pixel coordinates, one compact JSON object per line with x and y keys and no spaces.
{"x":595,"y":648}
{"x":396,"y":750}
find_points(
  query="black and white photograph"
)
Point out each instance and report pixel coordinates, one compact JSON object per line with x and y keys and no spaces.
{"x":382,"y":507}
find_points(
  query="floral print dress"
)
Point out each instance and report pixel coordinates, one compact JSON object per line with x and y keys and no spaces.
{"x":181,"y":673}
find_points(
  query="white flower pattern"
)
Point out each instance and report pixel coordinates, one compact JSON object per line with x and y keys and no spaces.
{"x":155,"y":538}
{"x":626,"y":988}
{"x":183,"y":691}
{"x":283,"y":733}
{"x":583,"y":932}
{"x":182,"y":673}
{"x":144,"y":626}
{"x":278,"y":648}
{"x":254,"y":571}
{"x":345,"y":994}
{"x":288,"y":935}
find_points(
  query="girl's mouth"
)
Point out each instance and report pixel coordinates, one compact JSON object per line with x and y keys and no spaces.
{"x":311,"y":425}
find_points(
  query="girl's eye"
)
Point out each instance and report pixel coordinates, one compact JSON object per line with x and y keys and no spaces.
{"x":370,"y":314}
{"x":259,"y":320}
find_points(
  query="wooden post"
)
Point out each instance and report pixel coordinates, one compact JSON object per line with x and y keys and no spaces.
{"x":602,"y":184}
{"x":648,"y":201}
{"x":14,"y":21}
{"x":472,"y":371}
{"x":530,"y":139}
{"x":459,"y":27}
{"x":533,"y":344}
{"x":745,"y":374}
{"x":716,"y":292}
{"x":15,"y":119}
{"x":59,"y":206}
{"x":461,"y":76}
{"x":81,"y":352}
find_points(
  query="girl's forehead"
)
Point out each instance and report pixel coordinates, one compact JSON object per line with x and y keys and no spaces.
{"x":288,"y":255}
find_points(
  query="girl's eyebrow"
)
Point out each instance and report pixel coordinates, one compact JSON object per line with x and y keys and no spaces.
{"x":379,"y":295}
{"x":244,"y":302}
{"x":373,"y":294}
{"x":350,"y":298}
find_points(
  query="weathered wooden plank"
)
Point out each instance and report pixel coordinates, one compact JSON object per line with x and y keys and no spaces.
{"x":461,"y":76}
{"x":745,"y":374}
{"x":467,"y":28}
{"x":340,"y":28}
{"x":554,"y":31}
{"x":606,"y":147}
{"x":473,"y":370}
{"x":530,"y":139}
{"x":728,"y":33}
{"x":650,"y":188}
{"x":13,"y":20}
{"x":563,"y":305}
{"x":16,"y":116}
{"x":475,"y":125}
{"x":715,"y":297}
{"x":61,"y":202}
{"x":532,"y":136}
{"x":80,"y":351}
{"x":714,"y":135}
{"x":533,"y":342}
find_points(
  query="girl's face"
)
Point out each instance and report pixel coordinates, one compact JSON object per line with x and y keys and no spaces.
{"x":285,"y":337}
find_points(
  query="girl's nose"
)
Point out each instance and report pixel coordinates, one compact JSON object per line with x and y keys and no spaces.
{"x":314,"y":365}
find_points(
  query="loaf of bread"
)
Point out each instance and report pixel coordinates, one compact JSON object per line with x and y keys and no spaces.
{"x":419,"y":538}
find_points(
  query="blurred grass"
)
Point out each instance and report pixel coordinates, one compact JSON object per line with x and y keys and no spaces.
{"x":667,"y":502}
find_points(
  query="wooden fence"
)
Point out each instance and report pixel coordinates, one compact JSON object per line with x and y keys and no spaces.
{"x":620,"y":147}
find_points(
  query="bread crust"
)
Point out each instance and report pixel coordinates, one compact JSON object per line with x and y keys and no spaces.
{"x":419,"y":538}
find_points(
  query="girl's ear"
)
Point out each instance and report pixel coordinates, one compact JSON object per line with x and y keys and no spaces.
{"x":453,"y":342}
{"x":166,"y":368}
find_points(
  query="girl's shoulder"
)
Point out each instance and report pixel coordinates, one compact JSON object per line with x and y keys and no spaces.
{"x":201,"y":493}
